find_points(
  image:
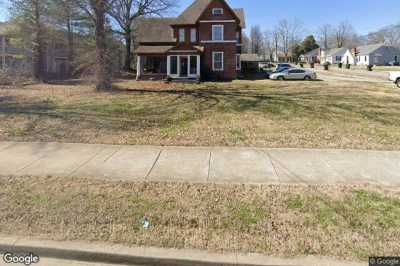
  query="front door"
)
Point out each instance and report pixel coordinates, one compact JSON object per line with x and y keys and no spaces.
{"x":184,"y":66}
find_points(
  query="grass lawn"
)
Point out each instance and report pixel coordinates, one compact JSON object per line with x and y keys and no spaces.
{"x":320,"y":114}
{"x":348,"y":222}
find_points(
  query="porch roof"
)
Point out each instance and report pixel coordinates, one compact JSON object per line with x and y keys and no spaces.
{"x":150,"y":49}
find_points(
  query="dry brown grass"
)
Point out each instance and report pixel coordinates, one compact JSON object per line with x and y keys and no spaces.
{"x":339,"y":221}
{"x":321,"y":114}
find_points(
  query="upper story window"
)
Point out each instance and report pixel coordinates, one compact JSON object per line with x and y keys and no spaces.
{"x":238,"y":37}
{"x":193,"y":35}
{"x":181,"y":35}
{"x":217,"y":32}
{"x":217,"y":11}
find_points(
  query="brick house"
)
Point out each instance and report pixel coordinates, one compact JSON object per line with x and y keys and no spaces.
{"x":204,"y":42}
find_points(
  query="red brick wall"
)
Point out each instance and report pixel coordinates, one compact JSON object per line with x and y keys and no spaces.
{"x":229,"y":71}
{"x":229,"y":49}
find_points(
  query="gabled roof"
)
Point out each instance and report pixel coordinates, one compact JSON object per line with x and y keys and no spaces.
{"x":155,"y":30}
{"x":336,"y":51}
{"x":369,"y":49}
{"x":192,"y":14}
{"x":313,"y":52}
{"x":240,"y":14}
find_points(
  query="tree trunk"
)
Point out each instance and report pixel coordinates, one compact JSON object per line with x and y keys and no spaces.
{"x":70,"y":46}
{"x":128,"y":55}
{"x":103,"y":79}
{"x":37,"y":44}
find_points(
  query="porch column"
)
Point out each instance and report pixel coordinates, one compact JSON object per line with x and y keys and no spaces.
{"x":179,"y":65}
{"x":138,"y":67}
{"x":198,"y":66}
{"x":168,"y":65}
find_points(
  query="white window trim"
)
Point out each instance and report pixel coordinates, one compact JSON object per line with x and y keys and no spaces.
{"x":218,"y":21}
{"x":212,"y":32}
{"x":222,"y":59}
{"x":178,"y":75}
{"x":223,"y":41}
{"x":219,"y":9}
{"x":184,"y":33}
{"x":193,"y":35}
{"x":238,"y":62}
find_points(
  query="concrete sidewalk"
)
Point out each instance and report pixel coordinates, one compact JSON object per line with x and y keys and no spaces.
{"x":85,"y":253}
{"x":200,"y":164}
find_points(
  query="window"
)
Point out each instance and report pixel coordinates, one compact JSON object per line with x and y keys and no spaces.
{"x":193,"y":35}
{"x":238,"y":37}
{"x":217,"y":11}
{"x":238,"y":62}
{"x":365,"y":58}
{"x":174,"y":65}
{"x":217,"y":32}
{"x":338,"y":58}
{"x":218,"y":61}
{"x":181,"y":35}
{"x":193,"y":65}
{"x":395,"y":58}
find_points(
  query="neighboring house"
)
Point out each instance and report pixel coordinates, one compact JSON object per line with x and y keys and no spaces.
{"x":333,"y":56}
{"x":20,"y":59}
{"x":376,"y":54}
{"x":10,"y":57}
{"x":348,"y":58}
{"x":204,"y":42}
{"x":313,"y":56}
{"x":250,"y":62}
{"x":281,"y":57}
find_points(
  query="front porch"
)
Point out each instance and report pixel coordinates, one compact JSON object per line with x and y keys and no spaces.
{"x":183,"y":66}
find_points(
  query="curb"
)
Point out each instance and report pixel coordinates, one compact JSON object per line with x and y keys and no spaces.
{"x":119,"y":254}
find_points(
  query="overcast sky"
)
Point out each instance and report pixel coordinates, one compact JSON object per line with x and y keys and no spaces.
{"x":364,"y":15}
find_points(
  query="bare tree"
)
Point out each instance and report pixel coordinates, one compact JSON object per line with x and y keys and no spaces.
{"x":125,"y":12}
{"x":96,"y":11}
{"x":343,"y":34}
{"x":275,"y":43}
{"x":324,"y":34}
{"x":246,"y":43}
{"x":256,"y":39}
{"x":268,"y":44}
{"x":290,"y":34}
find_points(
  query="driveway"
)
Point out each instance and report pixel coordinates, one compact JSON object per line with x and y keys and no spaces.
{"x":200,"y":164}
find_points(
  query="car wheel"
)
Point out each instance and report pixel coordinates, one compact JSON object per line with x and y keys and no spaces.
{"x":307,"y":78}
{"x":281,"y":78}
{"x":398,"y":82}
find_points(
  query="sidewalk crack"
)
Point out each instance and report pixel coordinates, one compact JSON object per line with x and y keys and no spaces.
{"x":273,"y":164}
{"x":209,"y":168}
{"x":85,"y":162}
{"x":154,"y":164}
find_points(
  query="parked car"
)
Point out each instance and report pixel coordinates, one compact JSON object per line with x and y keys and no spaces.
{"x":279,"y":70}
{"x":283,"y":65}
{"x":395,"y":77}
{"x":394,"y":63}
{"x":294,"y":73}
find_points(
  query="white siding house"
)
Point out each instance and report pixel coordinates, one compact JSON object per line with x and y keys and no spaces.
{"x":333,"y":56}
{"x":377,"y":54}
{"x":348,"y":58}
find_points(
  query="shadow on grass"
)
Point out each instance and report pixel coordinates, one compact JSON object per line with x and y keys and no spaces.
{"x":123,"y":108}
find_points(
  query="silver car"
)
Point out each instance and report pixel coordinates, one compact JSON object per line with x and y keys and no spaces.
{"x":294,"y":73}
